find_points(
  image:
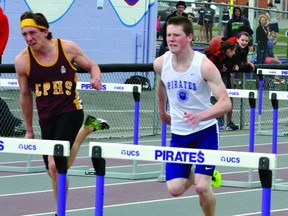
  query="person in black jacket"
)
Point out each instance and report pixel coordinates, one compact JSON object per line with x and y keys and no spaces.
{"x":180,"y":7}
{"x":262,"y":39}
{"x":235,"y":23}
{"x":10,"y":126}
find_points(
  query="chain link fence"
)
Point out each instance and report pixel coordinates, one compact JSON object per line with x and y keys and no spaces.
{"x":118,"y":108}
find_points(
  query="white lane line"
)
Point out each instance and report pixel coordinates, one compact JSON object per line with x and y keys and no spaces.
{"x":257,"y":213}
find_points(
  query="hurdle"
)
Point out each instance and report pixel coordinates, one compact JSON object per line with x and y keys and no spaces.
{"x":261,"y":73}
{"x":234,"y":93}
{"x":99,"y":151}
{"x":21,"y":169}
{"x":274,"y":96}
{"x":135,"y":89}
{"x":60,"y":150}
{"x":251,"y":95}
{"x":162,"y":175}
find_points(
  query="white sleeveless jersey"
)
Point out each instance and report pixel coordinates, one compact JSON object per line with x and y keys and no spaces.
{"x":187,"y":92}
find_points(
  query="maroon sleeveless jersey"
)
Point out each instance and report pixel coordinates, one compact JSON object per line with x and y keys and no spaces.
{"x":54,"y":85}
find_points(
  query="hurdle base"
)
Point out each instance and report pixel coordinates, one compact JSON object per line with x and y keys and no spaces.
{"x":81,"y":171}
{"x":270,"y":133}
{"x":117,"y":175}
{"x":17,"y":169}
{"x":162,"y":178}
{"x":241,"y":184}
{"x":90,"y":172}
{"x":132,"y":176}
{"x":280,"y":186}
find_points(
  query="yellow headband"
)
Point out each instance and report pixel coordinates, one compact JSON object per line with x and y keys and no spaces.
{"x":30,"y":22}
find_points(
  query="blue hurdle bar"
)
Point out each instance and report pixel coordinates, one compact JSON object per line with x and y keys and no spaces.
{"x":61,"y":164}
{"x":99,"y":165}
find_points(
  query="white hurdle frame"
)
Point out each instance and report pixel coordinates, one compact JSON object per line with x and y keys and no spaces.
{"x":233,"y":93}
{"x":83,"y":170}
{"x":267,"y":72}
{"x":28,"y":168}
{"x":135,"y":173}
{"x":98,"y":151}
{"x":252,"y":96}
{"x":274,"y":96}
{"x":60,"y":150}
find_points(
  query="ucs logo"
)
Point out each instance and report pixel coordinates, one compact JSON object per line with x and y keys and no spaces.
{"x":130,"y":153}
{"x":230,"y":159}
{"x":27,"y":147}
{"x":1,"y":145}
{"x":90,"y":173}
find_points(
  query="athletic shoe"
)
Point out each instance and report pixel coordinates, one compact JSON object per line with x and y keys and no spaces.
{"x":222,"y":128}
{"x":231,"y":126}
{"x":216,"y":179}
{"x":20,"y":128}
{"x":96,"y":123}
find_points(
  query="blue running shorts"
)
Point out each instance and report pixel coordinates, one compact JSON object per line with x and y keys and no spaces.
{"x":205,"y":139}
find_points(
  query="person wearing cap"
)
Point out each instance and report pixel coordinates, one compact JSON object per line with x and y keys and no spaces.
{"x":180,"y":8}
{"x":47,"y":67}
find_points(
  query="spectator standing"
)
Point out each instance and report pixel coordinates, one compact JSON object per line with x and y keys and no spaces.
{"x":235,"y":23}
{"x":9,"y":124}
{"x":271,"y":58}
{"x":158,"y":26}
{"x":246,"y":11}
{"x":180,"y":8}
{"x":220,"y":56}
{"x":262,"y":39}
{"x":190,"y":17}
{"x":209,"y":21}
{"x":225,"y":18}
{"x":238,"y":61}
{"x":202,"y":31}
{"x":273,"y":18}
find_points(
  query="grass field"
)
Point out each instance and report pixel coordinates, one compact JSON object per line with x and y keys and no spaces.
{"x":280,"y":49}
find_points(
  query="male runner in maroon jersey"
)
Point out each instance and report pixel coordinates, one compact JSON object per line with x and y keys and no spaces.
{"x":46,"y":66}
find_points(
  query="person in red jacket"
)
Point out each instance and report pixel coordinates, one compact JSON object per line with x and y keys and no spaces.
{"x":10,"y":126}
{"x":4,"y":32}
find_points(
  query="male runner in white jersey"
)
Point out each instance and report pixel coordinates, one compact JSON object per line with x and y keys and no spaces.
{"x":186,"y":78}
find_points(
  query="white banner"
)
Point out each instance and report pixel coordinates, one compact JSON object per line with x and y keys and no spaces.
{"x":242,"y":93}
{"x":118,"y":87}
{"x":33,"y":146}
{"x":181,"y":155}
{"x":279,"y":72}
{"x":280,"y":95}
